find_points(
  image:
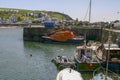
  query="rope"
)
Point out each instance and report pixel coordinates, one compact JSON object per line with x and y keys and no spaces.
{"x":86,"y":13}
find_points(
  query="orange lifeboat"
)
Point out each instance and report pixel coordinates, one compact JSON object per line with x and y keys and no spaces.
{"x":63,"y":35}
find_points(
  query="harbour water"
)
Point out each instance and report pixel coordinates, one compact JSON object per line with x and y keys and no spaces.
{"x":21,"y":60}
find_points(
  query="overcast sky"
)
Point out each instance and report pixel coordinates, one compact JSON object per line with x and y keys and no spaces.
{"x":102,"y":10}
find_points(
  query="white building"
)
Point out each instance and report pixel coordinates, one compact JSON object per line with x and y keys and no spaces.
{"x":13,"y":19}
{"x":2,"y":20}
{"x":27,"y":21}
{"x":117,"y":25}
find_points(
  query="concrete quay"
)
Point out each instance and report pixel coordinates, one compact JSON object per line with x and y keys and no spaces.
{"x":34,"y":33}
{"x":96,"y":34}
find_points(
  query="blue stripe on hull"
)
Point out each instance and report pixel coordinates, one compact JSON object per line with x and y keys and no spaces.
{"x":70,"y":41}
{"x":113,"y":67}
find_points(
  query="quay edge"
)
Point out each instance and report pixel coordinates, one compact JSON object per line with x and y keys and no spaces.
{"x":34,"y":33}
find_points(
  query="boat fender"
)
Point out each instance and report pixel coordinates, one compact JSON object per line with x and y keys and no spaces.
{"x":90,"y":65}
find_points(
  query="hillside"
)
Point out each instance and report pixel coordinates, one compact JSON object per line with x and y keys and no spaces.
{"x":22,"y":14}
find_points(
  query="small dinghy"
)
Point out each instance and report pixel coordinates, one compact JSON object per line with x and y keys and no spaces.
{"x":63,"y":62}
{"x":69,"y":74}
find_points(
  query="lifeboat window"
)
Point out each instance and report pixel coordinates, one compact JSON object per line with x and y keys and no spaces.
{"x":88,"y":51}
{"x":58,"y":34}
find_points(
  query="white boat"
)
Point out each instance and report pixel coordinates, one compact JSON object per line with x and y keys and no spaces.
{"x":114,"y":56}
{"x":101,"y":76}
{"x":105,"y":73}
{"x":85,"y":58}
{"x":69,"y":74}
{"x":84,"y":55}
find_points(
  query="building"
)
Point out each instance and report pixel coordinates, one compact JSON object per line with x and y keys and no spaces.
{"x":117,"y":25}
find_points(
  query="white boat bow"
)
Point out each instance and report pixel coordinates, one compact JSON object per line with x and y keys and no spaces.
{"x":69,"y":74}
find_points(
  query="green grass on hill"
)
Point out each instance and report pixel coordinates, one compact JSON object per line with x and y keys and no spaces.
{"x":21,"y":15}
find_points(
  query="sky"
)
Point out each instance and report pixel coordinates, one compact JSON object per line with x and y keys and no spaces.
{"x":101,"y":10}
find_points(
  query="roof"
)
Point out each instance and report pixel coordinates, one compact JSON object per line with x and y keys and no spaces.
{"x":84,"y":47}
{"x":111,"y":45}
{"x":113,"y":48}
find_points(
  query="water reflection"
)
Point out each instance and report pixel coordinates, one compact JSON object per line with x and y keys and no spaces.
{"x":16,"y":62}
{"x":42,"y":54}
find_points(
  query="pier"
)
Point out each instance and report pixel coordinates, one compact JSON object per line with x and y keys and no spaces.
{"x":34,"y":34}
